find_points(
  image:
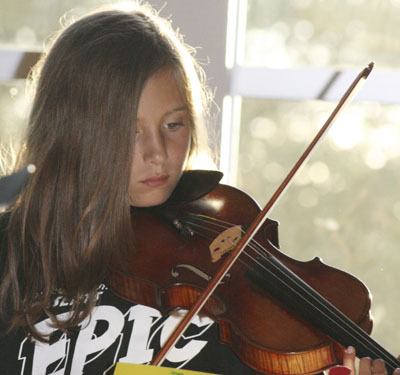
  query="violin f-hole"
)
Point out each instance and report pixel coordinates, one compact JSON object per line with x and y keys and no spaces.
{"x":175,"y":272}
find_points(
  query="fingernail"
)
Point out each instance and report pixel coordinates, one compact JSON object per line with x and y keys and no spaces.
{"x":339,"y":370}
{"x":396,"y":371}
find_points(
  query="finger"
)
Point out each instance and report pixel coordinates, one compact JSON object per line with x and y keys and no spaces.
{"x":396,"y":371}
{"x":349,"y":359}
{"x":378,"y":367}
{"x":365,"y":366}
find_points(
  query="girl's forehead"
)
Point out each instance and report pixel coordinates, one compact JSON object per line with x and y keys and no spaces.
{"x":162,"y":88}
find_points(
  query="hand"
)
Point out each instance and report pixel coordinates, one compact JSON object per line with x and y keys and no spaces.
{"x":367,"y":365}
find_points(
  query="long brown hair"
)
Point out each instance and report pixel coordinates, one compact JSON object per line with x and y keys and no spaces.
{"x":73,"y":218}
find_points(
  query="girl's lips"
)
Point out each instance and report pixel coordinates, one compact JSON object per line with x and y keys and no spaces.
{"x":155,"y":181}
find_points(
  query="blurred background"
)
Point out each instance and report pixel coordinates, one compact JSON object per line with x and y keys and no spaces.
{"x":277,"y":68}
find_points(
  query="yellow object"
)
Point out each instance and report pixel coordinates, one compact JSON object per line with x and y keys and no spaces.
{"x":122,"y":368}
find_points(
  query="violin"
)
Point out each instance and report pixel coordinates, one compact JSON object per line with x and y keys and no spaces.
{"x":279,"y":315}
{"x":211,"y":248}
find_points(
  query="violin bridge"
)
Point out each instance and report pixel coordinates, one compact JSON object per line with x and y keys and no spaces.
{"x":225,"y":242}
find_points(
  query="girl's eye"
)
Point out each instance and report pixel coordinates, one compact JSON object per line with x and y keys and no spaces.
{"x":174,"y":125}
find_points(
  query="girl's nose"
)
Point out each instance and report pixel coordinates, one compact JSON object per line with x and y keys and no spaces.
{"x":155,"y":149}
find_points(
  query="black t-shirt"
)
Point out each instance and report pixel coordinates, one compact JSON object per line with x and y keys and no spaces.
{"x":117,"y":331}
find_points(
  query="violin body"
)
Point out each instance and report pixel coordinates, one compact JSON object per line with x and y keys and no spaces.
{"x":168,"y":271}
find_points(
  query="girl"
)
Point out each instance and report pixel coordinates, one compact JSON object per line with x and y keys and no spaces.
{"x":116,"y":118}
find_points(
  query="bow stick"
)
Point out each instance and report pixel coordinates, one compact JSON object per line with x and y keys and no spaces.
{"x":259,"y":220}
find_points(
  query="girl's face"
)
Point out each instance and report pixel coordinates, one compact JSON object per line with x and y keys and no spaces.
{"x":162,"y":141}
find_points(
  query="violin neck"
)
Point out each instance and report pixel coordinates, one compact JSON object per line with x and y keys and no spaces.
{"x":305,"y":302}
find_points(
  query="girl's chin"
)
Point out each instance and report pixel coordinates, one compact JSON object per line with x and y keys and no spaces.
{"x":150,"y":201}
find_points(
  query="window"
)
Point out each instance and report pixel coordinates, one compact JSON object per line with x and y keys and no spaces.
{"x":292,"y":61}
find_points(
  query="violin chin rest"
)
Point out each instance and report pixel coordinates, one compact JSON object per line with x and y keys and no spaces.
{"x":193,"y":185}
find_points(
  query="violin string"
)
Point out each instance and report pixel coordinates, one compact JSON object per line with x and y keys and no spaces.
{"x":211,"y":221}
{"x":225,"y":225}
{"x":338,"y":319}
{"x":346,"y":321}
{"x":210,"y":237}
{"x":326,"y":309}
{"x":215,"y":232}
{"x":254,"y":245}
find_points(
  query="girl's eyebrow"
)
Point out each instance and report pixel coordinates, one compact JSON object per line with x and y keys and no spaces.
{"x":177,"y":109}
{"x":182,"y":108}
